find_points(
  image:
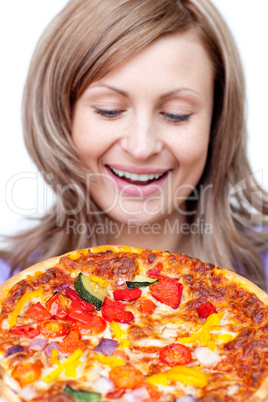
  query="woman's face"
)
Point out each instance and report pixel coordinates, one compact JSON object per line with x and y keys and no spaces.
{"x":143,"y":130}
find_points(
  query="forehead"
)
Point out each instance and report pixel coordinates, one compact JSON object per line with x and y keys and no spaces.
{"x":178,"y":59}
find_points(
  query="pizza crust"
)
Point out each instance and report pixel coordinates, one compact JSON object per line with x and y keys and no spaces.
{"x":260,"y":396}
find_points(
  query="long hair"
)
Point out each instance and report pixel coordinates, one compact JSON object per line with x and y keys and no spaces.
{"x":87,"y":40}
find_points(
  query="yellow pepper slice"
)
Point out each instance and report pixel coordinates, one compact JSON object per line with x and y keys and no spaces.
{"x":68,"y":362}
{"x":98,"y":280}
{"x":55,"y":357}
{"x":112,"y":362}
{"x":187,"y":376}
{"x":27,"y":296}
{"x":120,"y":334}
{"x":204,"y":335}
{"x":70,"y":370}
{"x":158,"y":379}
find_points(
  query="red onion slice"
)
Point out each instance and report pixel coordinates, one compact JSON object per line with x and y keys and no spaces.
{"x":120,"y":282}
{"x":106,"y":346}
{"x":186,"y":398}
{"x":49,"y":347}
{"x":38,"y":344}
{"x":103,"y":385}
{"x":138,"y":395}
{"x":14,"y":349}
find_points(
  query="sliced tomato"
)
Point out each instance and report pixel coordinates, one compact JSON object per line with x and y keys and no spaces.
{"x":71,"y":342}
{"x":52,"y":328}
{"x":27,"y":330}
{"x":175,"y":354}
{"x":116,"y":311}
{"x":155,"y":395}
{"x":38,"y":312}
{"x":27,"y":373}
{"x":146,"y":307}
{"x":126,"y":376}
{"x":127,"y":294}
{"x":206,"y":309}
{"x":167,"y":291}
{"x":95,"y":326}
{"x":55,"y":307}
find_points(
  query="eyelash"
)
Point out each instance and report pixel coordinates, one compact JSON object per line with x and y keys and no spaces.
{"x":173,"y":118}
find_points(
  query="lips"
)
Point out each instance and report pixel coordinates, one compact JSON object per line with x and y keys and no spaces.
{"x":137,"y":181}
{"x":142,"y":179}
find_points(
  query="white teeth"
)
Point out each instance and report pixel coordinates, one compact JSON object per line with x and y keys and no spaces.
{"x":134,"y":176}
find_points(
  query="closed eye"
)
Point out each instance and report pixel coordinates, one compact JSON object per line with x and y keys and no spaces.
{"x":176,"y":118}
{"x":110,"y":114}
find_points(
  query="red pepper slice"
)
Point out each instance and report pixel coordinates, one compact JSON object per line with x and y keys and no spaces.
{"x":168,"y":292}
{"x":127,"y":294}
{"x":71,"y":342}
{"x":27,"y":330}
{"x":80,"y":311}
{"x":52,"y":328}
{"x":55,"y":307}
{"x":206,"y":309}
{"x":38,"y":312}
{"x":116,"y":394}
{"x":116,"y":311}
{"x":175,"y":354}
{"x":72,"y":294}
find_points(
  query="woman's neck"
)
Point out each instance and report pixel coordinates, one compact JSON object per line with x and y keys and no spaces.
{"x":171,"y":234}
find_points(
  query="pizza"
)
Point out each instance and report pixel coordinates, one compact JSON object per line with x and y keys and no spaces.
{"x":118,"y":323}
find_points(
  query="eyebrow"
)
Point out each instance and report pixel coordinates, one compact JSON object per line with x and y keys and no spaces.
{"x":166,"y":95}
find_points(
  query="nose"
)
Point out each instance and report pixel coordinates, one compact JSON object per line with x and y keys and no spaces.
{"x":142,"y":140}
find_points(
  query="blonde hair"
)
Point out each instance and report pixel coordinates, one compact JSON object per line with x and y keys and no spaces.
{"x":87,"y":40}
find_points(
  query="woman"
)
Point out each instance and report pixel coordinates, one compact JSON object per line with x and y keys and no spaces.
{"x":141,"y":199}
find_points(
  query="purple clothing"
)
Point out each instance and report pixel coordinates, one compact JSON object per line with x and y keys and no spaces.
{"x":5,"y":268}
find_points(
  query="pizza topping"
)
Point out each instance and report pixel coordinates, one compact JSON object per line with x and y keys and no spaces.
{"x":141,"y":281}
{"x":90,"y":291}
{"x":147,"y":307}
{"x":116,"y":394}
{"x":206,"y":356}
{"x":27,"y":330}
{"x":187,"y":398}
{"x":19,"y":306}
{"x":110,"y":361}
{"x":26,"y":373}
{"x":68,"y":362}
{"x":72,"y":294}
{"x":120,"y":334}
{"x":38,"y":344}
{"x":116,"y":311}
{"x":175,"y":354}
{"x":103,"y":385}
{"x":95,"y":325}
{"x":52,"y":328}
{"x":183,"y":374}
{"x":167,"y":291}
{"x":106,"y":346}
{"x":80,"y":311}
{"x":138,"y":395}
{"x":126,"y":376}
{"x":81,"y":395}
{"x":38,"y":312}
{"x":55,"y":307}
{"x":127,"y":294}
{"x":71,"y":342}
{"x":206,"y":309}
{"x":14,"y":349}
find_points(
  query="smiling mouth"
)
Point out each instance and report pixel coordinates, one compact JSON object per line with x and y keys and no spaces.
{"x":138,"y":179}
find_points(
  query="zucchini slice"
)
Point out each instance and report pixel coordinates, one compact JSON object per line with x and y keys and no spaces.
{"x":80,"y":395}
{"x":90,"y":291}
{"x":141,"y":281}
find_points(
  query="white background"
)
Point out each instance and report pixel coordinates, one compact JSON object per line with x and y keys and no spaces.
{"x":21,"y":24}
